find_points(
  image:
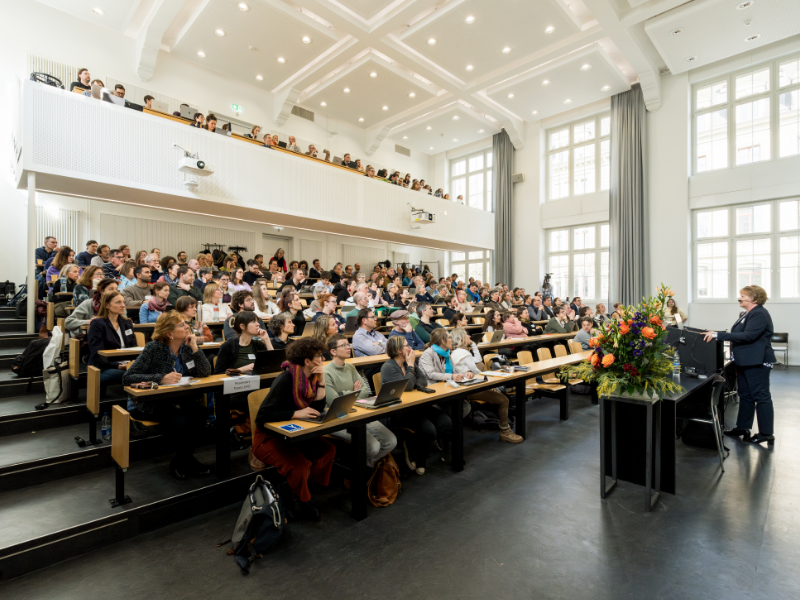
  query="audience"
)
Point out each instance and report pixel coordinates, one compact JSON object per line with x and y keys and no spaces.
{"x":240,"y":351}
{"x":585,"y":332}
{"x":214,"y":309}
{"x":184,"y":286}
{"x":135,"y":295}
{"x":83,"y":81}
{"x":402,"y":327}
{"x":367,"y":341}
{"x":156,"y":305}
{"x":560,"y":323}
{"x":110,"y":330}
{"x":186,"y":306}
{"x":425,"y":327}
{"x":87,"y":280}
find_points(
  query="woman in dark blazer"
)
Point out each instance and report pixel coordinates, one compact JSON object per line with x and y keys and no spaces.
{"x":752,"y":353}
{"x":110,"y":331}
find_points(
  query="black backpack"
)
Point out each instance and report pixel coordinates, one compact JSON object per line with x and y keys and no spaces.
{"x":30,"y":362}
{"x":259,"y":526}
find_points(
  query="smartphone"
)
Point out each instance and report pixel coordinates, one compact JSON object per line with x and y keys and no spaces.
{"x":426,"y":390}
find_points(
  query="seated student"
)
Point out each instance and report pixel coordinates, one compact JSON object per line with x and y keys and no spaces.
{"x":242,"y":300}
{"x":323,"y":285}
{"x":346,"y":162}
{"x":66,"y":282}
{"x":359,"y":167}
{"x":265,"y":306}
{"x":347,"y":290}
{"x":101,"y":258}
{"x":323,"y":329}
{"x":184,"y":286}
{"x":110,"y":331}
{"x":367,"y":341}
{"x":83,"y":81}
{"x":403,"y":299}
{"x":155,"y":267}
{"x":89,"y":308}
{"x":173,"y":353}
{"x":336,"y":275}
{"x":513,"y":328}
{"x":119,"y":90}
{"x":459,"y":320}
{"x":253,"y":135}
{"x":112,"y":268}
{"x":186,"y":306}
{"x":268,"y":140}
{"x":298,"y":277}
{"x":45,"y":253}
{"x":199,"y":120}
{"x":224,"y":281}
{"x":65,"y":256}
{"x":390,"y":293}
{"x":88,"y":93}
{"x":126,"y":276}
{"x":85,"y":283}
{"x":452,"y":307}
{"x":402,"y":327}
{"x":290,"y":303}
{"x":148,"y":102}
{"x":316,"y":270}
{"x":170,"y":275}
{"x":240,"y":351}
{"x":585,"y":311}
{"x":282,"y":328}
{"x":204,"y":275}
{"x":425,"y":326}
{"x":585,"y":333}
{"x":298,"y":392}
{"x":139,"y":293}
{"x":292,"y":145}
{"x":253,"y":272}
{"x":237,"y":280}
{"x":328,"y":309}
{"x":560,"y":323}
{"x":214,"y":309}
{"x":156,"y":305}
{"x":495,"y":297}
{"x":360,"y":301}
{"x":422,"y":294}
{"x":211,"y":123}
{"x":342,"y":378}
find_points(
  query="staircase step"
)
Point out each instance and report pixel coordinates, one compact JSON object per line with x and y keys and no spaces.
{"x":12,"y":325}
{"x":16,"y":340}
{"x":8,"y":312}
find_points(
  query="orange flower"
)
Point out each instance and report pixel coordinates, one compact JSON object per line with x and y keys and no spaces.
{"x":630,"y":321}
{"x":655,"y":319}
{"x":669,"y":293}
{"x":594,"y":359}
{"x":623,"y":328}
{"x":593,"y":342}
{"x":663,"y":327}
{"x":648,"y":333}
{"x":608,"y":360}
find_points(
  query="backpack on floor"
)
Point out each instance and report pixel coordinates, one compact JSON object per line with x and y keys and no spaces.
{"x":30,"y":363}
{"x":384,"y":485}
{"x":259,"y":526}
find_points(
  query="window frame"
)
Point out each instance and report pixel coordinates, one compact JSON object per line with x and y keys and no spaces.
{"x":598,"y":250}
{"x":486,"y":261}
{"x":486,"y":170}
{"x":570,"y":149}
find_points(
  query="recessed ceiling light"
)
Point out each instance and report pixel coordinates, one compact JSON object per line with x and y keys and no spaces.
{"x":605,"y":88}
{"x":259,"y":77}
{"x":405,"y":137}
{"x":550,"y":29}
{"x":470,"y":20}
{"x":691,"y":59}
{"x":98,"y":11}
{"x":431,"y":148}
{"x":428,"y":128}
{"x":323,"y":103}
{"x":201,"y":54}
{"x":220,"y":33}
{"x":752,"y":38}
{"x":412,"y":95}
{"x":432,"y":42}
{"x":586,"y":67}
{"x":510,"y":96}
{"x":744,"y":5}
{"x":361,"y":120}
{"x":385,"y":108}
{"x":373,"y":75}
{"x":243,"y":7}
{"x":480,"y":130}
{"x":536,"y":112}
{"x":456,"y":118}
{"x":546,"y":82}
{"x":346,"y":90}
{"x":506,"y":50}
{"x":306,"y":39}
{"x":455,"y":139}
{"x":567,"y":101}
{"x":281,"y":60}
{"x":677,"y":31}
{"x":470,"y":67}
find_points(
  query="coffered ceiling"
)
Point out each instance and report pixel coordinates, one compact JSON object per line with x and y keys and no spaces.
{"x":412,"y":65}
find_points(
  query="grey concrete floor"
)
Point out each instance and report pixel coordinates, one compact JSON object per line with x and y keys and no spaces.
{"x":522,"y":521}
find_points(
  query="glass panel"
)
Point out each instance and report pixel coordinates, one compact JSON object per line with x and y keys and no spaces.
{"x":789,"y":73}
{"x":789,"y":213}
{"x":790,"y":267}
{"x":488,"y":160}
{"x":756,"y":82}
{"x":459,"y":188}
{"x":476,"y":190}
{"x":789,"y":119}
{"x":559,"y":139}
{"x":583,"y":238}
{"x":605,"y":165}
{"x":753,"y":219}
{"x":489,"y":191}
{"x":605,"y":126}
{"x":712,"y":223}
{"x":459,"y":168}
{"x":476,"y":163}
{"x":712,"y":94}
{"x":559,"y":175}
{"x":460,"y":270}
{"x":583,"y":132}
{"x":583,"y":182}
{"x":559,"y":268}
{"x":752,"y":131}
{"x":605,"y":231}
{"x":488,"y":272}
{"x":456,"y":256}
{"x":712,"y":270}
{"x":476,"y":255}
{"x":476,"y":271}
{"x":559,"y":240}
{"x":712,"y":140}
{"x":604,"y":277}
{"x":583,"y":280}
{"x":753,"y":263}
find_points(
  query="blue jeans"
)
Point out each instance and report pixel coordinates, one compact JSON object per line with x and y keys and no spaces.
{"x":111,"y":377}
{"x":755,"y":399}
{"x":380,"y":441}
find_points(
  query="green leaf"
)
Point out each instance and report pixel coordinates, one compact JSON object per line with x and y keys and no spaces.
{"x":630,"y":390}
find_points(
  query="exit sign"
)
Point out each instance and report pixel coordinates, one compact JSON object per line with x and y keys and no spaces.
{"x":237,"y":108}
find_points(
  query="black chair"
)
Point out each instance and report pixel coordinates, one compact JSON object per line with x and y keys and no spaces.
{"x":716,"y":393}
{"x":783,"y":339}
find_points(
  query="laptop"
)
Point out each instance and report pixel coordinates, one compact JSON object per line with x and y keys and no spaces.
{"x":187,"y":112}
{"x":306,"y":289}
{"x":497,"y":336}
{"x":107,"y":96}
{"x":477,"y":337}
{"x":308,"y":330}
{"x":391,"y":392}
{"x":269,"y":361}
{"x":221,"y":131}
{"x":97,"y":91}
{"x":350,"y":326}
{"x":282,"y":144}
{"x":678,"y":321}
{"x":159,"y":106}
{"x":337,"y":410}
{"x":337,"y":160}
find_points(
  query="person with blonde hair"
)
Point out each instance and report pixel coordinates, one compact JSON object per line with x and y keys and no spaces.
{"x":265,"y":306}
{"x":212,"y":298}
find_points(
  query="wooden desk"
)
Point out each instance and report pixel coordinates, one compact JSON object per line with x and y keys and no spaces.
{"x":548,"y":337}
{"x":138,"y":350}
{"x":64,"y":295}
{"x":319,"y":160}
{"x":236,"y":136}
{"x":156,"y":113}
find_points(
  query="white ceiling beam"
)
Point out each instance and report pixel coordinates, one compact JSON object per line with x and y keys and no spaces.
{"x":284,"y":102}
{"x":648,"y":10}
{"x":149,"y":41}
{"x":373,"y":138}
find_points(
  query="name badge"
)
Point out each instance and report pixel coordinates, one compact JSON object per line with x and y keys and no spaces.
{"x":190,"y":364}
{"x":128,"y":332}
{"x":251,"y":356}
{"x":147,"y":297}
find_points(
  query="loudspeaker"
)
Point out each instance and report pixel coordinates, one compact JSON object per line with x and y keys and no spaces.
{"x":517,"y":178}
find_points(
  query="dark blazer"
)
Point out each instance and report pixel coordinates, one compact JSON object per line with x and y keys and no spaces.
{"x":175,"y":292}
{"x":553,"y":326}
{"x":548,"y":310}
{"x":750,"y":338}
{"x":103,"y":336}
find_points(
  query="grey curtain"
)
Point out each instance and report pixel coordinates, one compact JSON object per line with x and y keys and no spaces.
{"x":629,"y":260}
{"x":503,"y":193}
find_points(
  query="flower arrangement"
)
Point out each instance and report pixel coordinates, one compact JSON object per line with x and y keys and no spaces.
{"x":630,"y":355}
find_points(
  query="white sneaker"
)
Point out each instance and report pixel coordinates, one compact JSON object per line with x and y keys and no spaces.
{"x":420,"y":470}
{"x":411,"y":464}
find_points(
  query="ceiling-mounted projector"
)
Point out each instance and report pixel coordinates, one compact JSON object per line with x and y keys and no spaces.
{"x":195,"y":166}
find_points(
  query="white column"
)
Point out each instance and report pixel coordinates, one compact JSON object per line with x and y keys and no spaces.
{"x":31,"y":277}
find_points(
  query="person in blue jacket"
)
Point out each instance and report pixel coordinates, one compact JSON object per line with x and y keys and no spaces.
{"x":155,"y":306}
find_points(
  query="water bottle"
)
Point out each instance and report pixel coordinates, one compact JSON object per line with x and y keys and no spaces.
{"x":63,"y":283}
{"x":676,"y":363}
{"x":105,"y":428}
{"x":216,"y":313}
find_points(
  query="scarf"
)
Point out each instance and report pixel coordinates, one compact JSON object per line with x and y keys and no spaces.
{"x":96,"y":302}
{"x":448,"y":364}
{"x":303,"y":390}
{"x":156,"y":304}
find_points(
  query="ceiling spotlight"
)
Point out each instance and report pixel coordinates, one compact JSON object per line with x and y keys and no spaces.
{"x":691,"y":59}
{"x":744,"y":5}
{"x":432,"y":42}
{"x":405,"y":137}
{"x":567,"y":101}
{"x":346,"y":90}
{"x":306,"y":39}
{"x":536,"y":112}
{"x":470,"y":67}
{"x":605,"y":88}
{"x":428,"y":128}
{"x":455,"y":139}
{"x":677,"y":31}
{"x":361,"y":120}
{"x":98,"y":11}
{"x":385,"y":108}
{"x":259,"y":77}
{"x":470,"y":20}
{"x":456,"y":118}
{"x":550,"y":29}
{"x":510,"y":96}
{"x":546,"y":82}
{"x":412,"y":95}
{"x":201,"y":54}
{"x":220,"y":33}
{"x":323,"y":103}
{"x":281,"y":60}
{"x":586,"y":67}
{"x":506,"y":50}
{"x":480,"y":130}
{"x":243,"y":7}
{"x":373,"y":75}
{"x":431,"y":148}
{"x":752,"y":38}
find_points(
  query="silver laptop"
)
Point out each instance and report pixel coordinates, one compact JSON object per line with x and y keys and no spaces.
{"x":187,"y":112}
{"x":222,"y":131}
{"x":109,"y":97}
{"x":159,"y":106}
{"x":97,"y":91}
{"x":497,"y":336}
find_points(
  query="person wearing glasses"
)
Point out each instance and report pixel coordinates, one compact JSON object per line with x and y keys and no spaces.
{"x":402,"y":327}
{"x":327,"y":303}
{"x":367,"y":341}
{"x":342,"y":378}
